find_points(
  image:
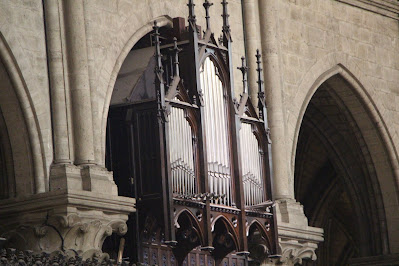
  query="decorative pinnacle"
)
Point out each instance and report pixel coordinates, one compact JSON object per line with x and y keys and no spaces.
{"x":159,"y":68}
{"x":259,"y":70}
{"x":225,"y":15}
{"x":206,"y":5}
{"x":191,"y":12}
{"x":261,"y":93}
{"x":244,"y":71}
{"x":176,"y":50}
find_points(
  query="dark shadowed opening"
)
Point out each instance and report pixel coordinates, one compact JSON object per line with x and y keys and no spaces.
{"x":335,"y":178}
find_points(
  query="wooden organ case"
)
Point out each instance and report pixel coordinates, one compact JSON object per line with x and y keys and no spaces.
{"x":196,"y":159}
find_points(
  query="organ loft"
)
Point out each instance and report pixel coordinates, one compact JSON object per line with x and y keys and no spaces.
{"x":197,"y":160}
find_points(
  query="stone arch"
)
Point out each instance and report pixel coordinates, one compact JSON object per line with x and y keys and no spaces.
{"x":369,"y":127}
{"x":137,"y":35}
{"x":22,"y":126}
{"x":326,"y":67}
{"x":7,"y":177}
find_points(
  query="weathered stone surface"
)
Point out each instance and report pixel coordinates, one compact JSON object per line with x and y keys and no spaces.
{"x":64,"y":220}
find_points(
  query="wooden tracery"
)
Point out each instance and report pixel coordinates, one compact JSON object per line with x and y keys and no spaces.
{"x":198,"y":159}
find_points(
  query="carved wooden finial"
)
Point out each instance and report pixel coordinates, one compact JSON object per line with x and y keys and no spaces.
{"x":207,"y":5}
{"x":261,"y":93}
{"x":158,"y":56}
{"x":226,"y":25}
{"x":244,"y":71}
{"x":160,"y":88}
{"x":191,"y":12}
{"x":176,"y":49}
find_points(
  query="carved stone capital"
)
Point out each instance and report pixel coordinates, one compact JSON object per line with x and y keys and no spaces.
{"x":294,"y":251}
{"x":297,"y":240}
{"x":70,"y":222}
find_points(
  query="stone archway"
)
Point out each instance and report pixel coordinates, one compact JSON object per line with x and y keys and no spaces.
{"x":338,"y":174}
{"x":15,"y":142}
{"x":22,"y":124}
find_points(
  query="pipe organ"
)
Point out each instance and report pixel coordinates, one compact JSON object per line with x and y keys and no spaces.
{"x":196,"y":159}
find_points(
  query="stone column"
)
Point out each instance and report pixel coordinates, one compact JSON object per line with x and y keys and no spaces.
{"x":297,"y":240}
{"x":82,"y":207}
{"x":57,"y":83}
{"x":78,"y":75}
{"x":283,"y":185}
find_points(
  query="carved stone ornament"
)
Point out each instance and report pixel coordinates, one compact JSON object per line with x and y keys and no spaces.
{"x":70,"y":223}
{"x":297,"y":240}
{"x":293,"y":251}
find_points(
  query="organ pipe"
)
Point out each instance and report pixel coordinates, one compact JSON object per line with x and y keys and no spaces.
{"x":181,"y":154}
{"x":252,"y":166}
{"x":216,"y":128}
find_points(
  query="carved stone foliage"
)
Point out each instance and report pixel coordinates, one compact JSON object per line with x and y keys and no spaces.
{"x":60,"y":225}
{"x":11,"y":257}
{"x":68,"y":234}
{"x":294,"y":252}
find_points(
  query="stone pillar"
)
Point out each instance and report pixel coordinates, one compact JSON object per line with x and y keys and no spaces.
{"x":82,"y":206}
{"x":57,"y":88}
{"x":66,"y":27}
{"x":283,"y":185}
{"x":79,"y":86}
{"x":297,"y":240}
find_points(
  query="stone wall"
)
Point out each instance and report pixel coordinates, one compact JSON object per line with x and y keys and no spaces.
{"x":23,"y":54}
{"x":314,"y":37}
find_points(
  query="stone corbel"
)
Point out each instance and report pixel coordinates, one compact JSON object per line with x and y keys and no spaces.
{"x":297,"y":240}
{"x":293,"y":251}
{"x":69,"y":222}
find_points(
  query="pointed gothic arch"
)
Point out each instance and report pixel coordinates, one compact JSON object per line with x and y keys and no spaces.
{"x":21,"y":125}
{"x":339,"y":115}
{"x":225,"y":239}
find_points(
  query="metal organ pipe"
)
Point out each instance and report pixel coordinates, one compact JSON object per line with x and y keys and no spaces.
{"x":216,"y":131}
{"x":181,"y":155}
{"x":252,"y":162}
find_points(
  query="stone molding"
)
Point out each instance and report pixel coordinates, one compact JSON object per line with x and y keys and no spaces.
{"x":387,"y":8}
{"x":71,"y":222}
{"x":297,"y":240}
{"x":382,"y":260}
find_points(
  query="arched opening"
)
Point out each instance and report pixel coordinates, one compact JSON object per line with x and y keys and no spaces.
{"x":337,"y":174}
{"x":224,"y":240}
{"x":15,"y":151}
{"x":7,"y":182}
{"x":188,"y":236}
{"x":134,"y":85}
{"x":258,"y":243}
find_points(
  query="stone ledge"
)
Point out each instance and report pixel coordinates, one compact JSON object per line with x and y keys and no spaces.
{"x":80,"y":199}
{"x":383,"y":260}
{"x":314,"y":234}
{"x":387,"y":8}
{"x":66,"y":221}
